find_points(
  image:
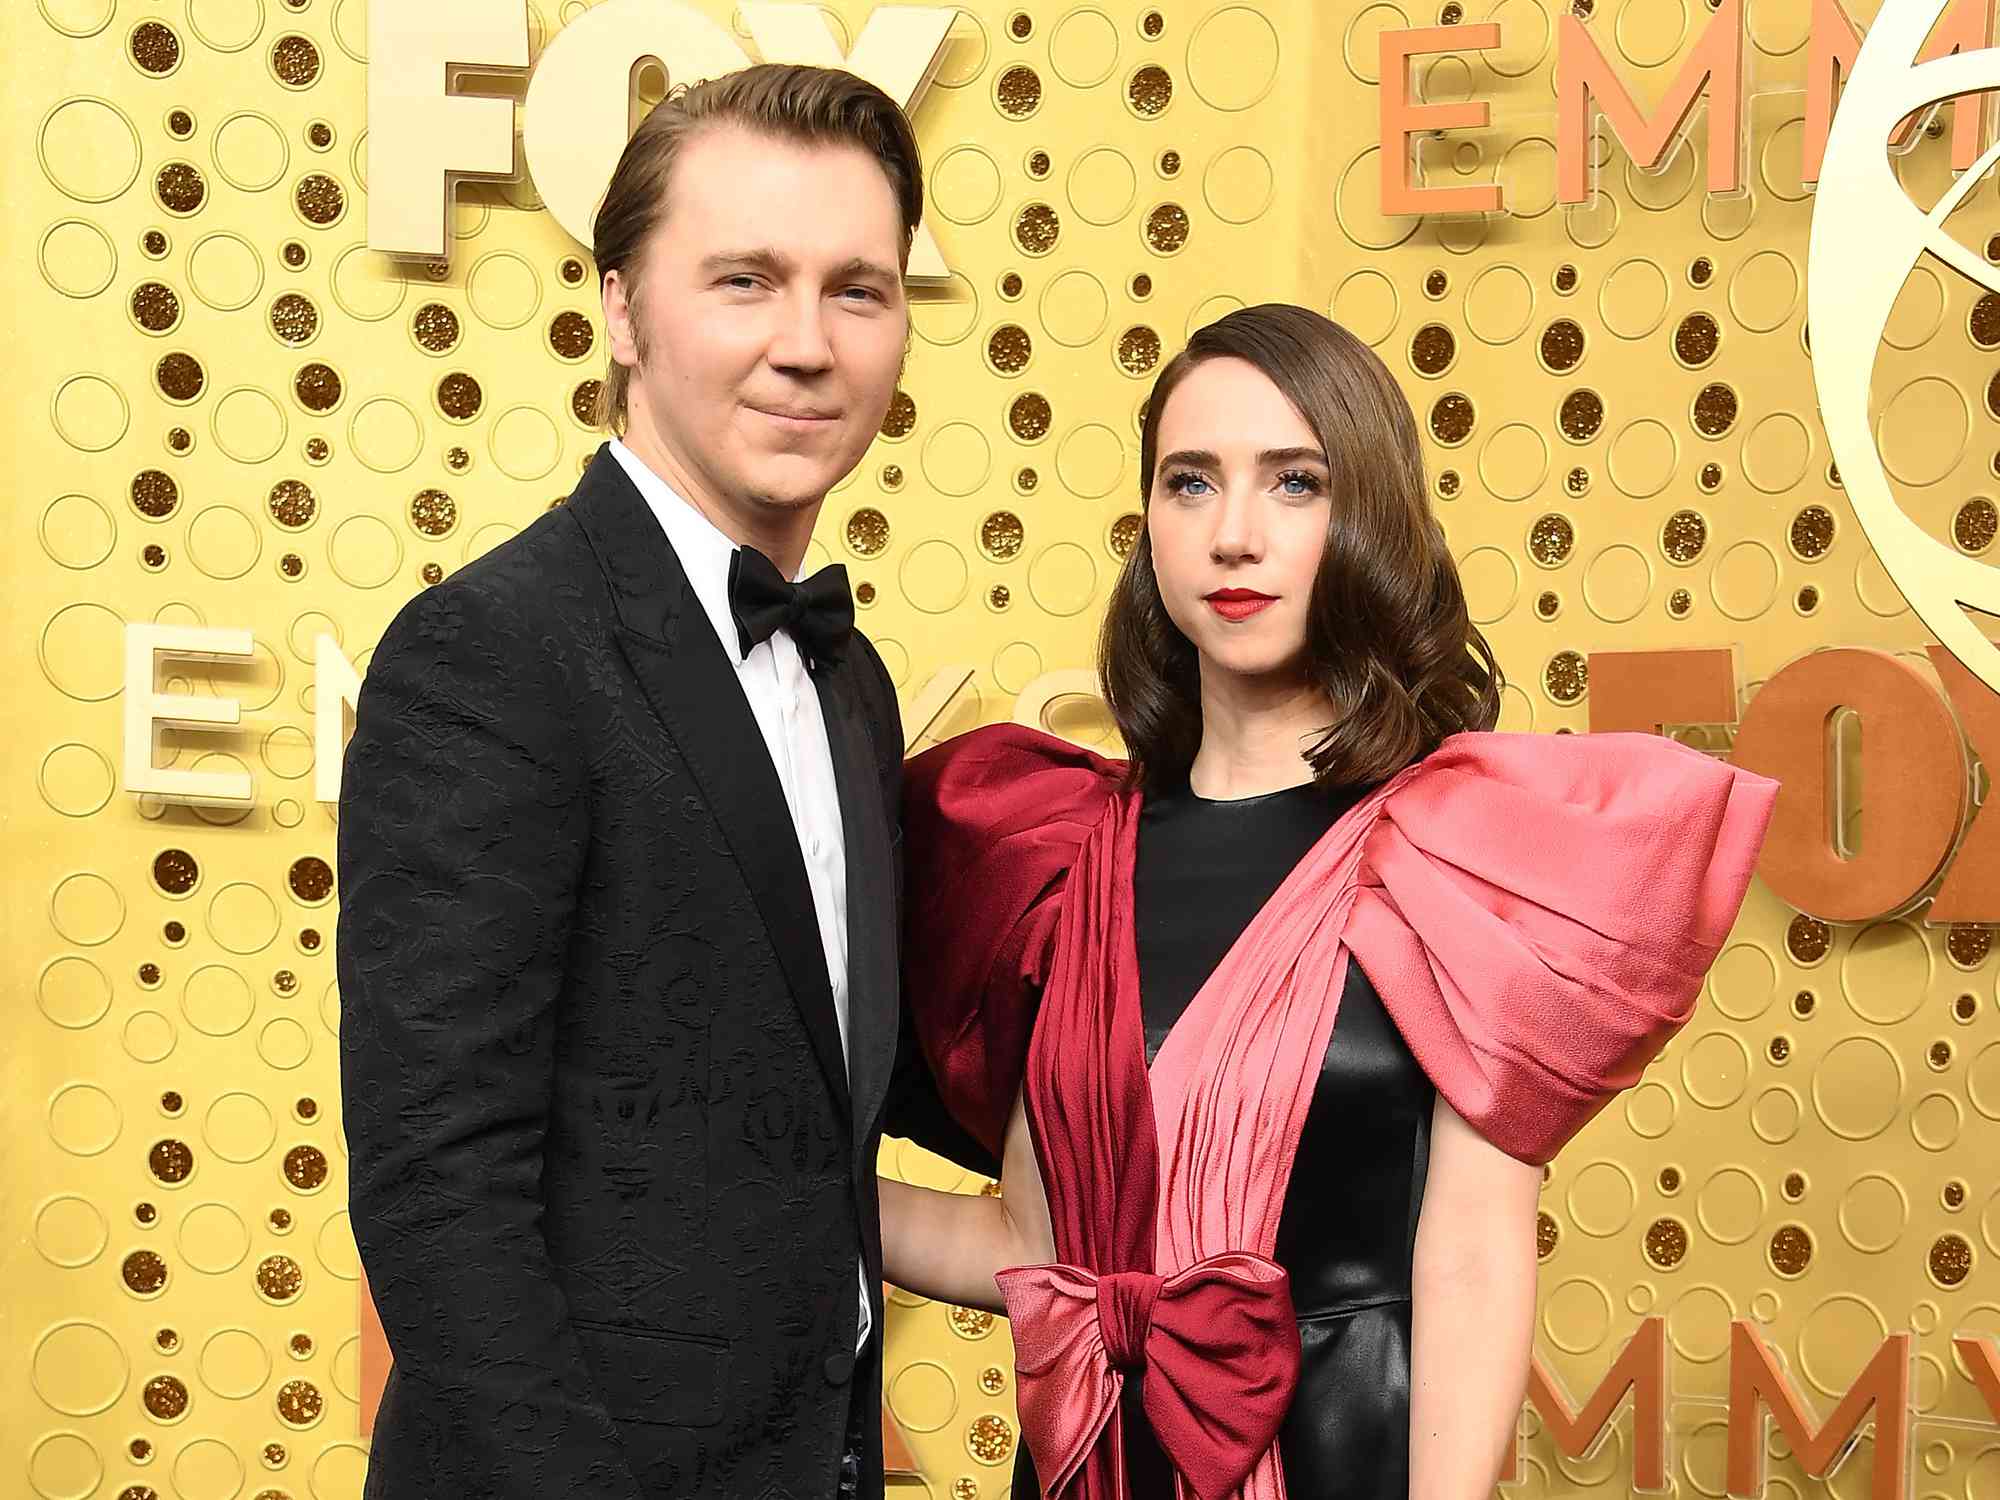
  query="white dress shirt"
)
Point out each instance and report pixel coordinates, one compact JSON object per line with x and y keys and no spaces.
{"x":786,"y":706}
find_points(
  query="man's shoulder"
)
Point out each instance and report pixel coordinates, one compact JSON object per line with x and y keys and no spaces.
{"x":538,"y":585}
{"x":521,"y":572}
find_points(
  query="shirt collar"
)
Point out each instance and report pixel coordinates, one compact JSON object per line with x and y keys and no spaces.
{"x":704,"y":551}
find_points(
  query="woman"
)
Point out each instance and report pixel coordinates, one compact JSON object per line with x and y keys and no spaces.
{"x":1269,"y":1215}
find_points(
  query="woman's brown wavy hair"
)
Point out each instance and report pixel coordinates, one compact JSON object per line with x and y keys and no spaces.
{"x":1388,"y":639}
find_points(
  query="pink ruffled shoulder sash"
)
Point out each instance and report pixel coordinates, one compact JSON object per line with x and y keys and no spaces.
{"x":1537,"y":913}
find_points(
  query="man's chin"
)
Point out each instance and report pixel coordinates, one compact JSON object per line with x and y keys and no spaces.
{"x":792,"y":484}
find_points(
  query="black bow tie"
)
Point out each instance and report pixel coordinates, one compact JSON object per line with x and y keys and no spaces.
{"x":819,"y":613}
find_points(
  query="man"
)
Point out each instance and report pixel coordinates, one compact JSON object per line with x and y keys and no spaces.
{"x":619,"y":880}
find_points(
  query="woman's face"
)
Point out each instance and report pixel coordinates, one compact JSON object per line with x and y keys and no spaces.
{"x":1237,"y":517}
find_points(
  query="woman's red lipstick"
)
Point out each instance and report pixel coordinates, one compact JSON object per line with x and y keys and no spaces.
{"x":1238,"y":604}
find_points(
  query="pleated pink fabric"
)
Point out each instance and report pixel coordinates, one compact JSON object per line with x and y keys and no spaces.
{"x":1537,"y":914}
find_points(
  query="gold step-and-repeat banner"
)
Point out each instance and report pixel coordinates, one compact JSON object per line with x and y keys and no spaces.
{"x":243,"y":432}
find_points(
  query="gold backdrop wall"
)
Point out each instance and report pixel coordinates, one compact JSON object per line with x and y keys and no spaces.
{"x":228,"y":411}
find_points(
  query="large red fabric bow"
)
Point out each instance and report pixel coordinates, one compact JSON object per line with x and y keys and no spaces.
{"x":1218,"y":1342}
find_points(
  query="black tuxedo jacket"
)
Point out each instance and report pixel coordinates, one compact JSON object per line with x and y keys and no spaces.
{"x":611,"y":1174}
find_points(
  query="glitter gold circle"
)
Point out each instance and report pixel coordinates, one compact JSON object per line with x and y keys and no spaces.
{"x":1037,"y":228}
{"x":1696,"y":339}
{"x":867,"y":532}
{"x":1551,"y":538}
{"x":1715,"y":409}
{"x":319,"y":198}
{"x":970,"y":1322}
{"x":144,"y":1272}
{"x":179,"y":377}
{"x":1138,"y":349}
{"x":1018,"y":92}
{"x":1683,"y":536}
{"x":1150,"y":90}
{"x":180,"y":188}
{"x":155,"y":48}
{"x":1167,"y":228}
{"x":155,"y":306}
{"x":900,"y":420}
{"x":1029,"y":416}
{"x":1452,"y":418}
{"x":305,"y":1167}
{"x":1791,"y":1249}
{"x":299,"y":1403}
{"x":175,"y":871}
{"x":311,"y":878}
{"x":294,"y":319}
{"x":1666,"y":1242}
{"x":435,"y":327}
{"x":279,"y":1277}
{"x":295,"y":61}
{"x":165,"y":1397}
{"x":990,"y":1439}
{"x":1812,"y":532}
{"x":1968,"y":944}
{"x":154,"y":494}
{"x":432,"y":513}
{"x":1566,"y":677}
{"x":570,"y":334}
{"x":1581,"y":415}
{"x":1982,"y":324}
{"x":1562,"y":345}
{"x":1432,"y":349}
{"x":1547,"y":1235}
{"x":317,"y":387}
{"x":292,"y":504}
{"x":1975,"y":525}
{"x":1808,"y":939}
{"x":1125,"y":534}
{"x":1001,"y":535}
{"x":1009,"y":348}
{"x":170,"y":1160}
{"x":459,"y":396}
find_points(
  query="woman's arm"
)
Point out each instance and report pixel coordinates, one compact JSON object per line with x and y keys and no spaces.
{"x":1473,"y":1311}
{"x":947,"y":1246}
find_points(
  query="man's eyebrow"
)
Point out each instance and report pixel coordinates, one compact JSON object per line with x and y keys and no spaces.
{"x":861,"y":266}
{"x":758,"y":258}
{"x":774,"y":263}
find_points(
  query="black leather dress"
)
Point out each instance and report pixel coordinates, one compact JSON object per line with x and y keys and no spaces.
{"x":1348,"y":1229}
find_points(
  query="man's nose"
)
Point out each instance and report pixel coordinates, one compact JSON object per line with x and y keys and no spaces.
{"x":799,"y":342}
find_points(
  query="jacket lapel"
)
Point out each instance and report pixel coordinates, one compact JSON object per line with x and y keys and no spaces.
{"x":693,"y":687}
{"x":871,"y":897}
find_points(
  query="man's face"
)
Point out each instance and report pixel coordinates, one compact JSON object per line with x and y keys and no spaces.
{"x":771,"y":318}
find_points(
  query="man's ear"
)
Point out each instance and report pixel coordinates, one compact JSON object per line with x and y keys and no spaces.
{"x":619,"y":313}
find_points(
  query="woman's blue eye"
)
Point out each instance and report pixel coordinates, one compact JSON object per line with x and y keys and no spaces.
{"x":1183,"y":483}
{"x":1298,"y":482}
